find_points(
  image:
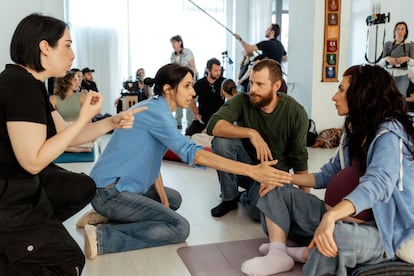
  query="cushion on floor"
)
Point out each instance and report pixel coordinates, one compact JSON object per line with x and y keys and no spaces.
{"x":225,"y":259}
{"x":69,"y":157}
{"x":388,"y":268}
{"x":171,"y":156}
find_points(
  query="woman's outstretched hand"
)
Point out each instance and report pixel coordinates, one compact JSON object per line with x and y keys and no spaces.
{"x":126,"y":119}
{"x":269,"y":177}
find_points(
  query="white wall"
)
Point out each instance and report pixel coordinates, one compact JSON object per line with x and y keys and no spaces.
{"x":301,"y":51}
{"x":12,"y":12}
{"x":305,"y":54}
{"x":306,"y":48}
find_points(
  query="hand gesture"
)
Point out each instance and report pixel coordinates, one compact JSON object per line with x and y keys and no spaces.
{"x":269,"y":177}
{"x":262,"y":149}
{"x":126,"y":119}
{"x":91,"y":106}
{"x":323,"y":238}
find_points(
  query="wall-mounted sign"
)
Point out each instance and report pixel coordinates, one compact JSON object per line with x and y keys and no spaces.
{"x":331,"y":40}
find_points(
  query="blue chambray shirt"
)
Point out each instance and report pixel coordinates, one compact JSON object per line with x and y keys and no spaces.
{"x":133,"y":156}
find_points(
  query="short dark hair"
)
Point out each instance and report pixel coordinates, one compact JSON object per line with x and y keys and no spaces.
{"x":260,"y":57}
{"x":276,"y":29}
{"x":275,"y":72}
{"x":171,"y":74}
{"x":212,"y":61}
{"x":24,"y":46}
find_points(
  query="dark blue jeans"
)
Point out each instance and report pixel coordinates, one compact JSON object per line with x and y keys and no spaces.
{"x":234,"y":149}
{"x":138,"y":221}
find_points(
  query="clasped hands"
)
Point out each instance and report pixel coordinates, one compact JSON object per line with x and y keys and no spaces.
{"x":397,"y":61}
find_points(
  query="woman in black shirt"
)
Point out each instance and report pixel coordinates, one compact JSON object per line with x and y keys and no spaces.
{"x":36,"y":196}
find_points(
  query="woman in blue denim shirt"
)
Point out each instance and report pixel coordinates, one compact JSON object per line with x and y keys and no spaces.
{"x":141,"y":213}
{"x":366,"y":217}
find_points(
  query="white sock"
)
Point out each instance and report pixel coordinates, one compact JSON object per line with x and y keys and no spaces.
{"x":277,"y":260}
{"x":295,"y":252}
{"x":264,"y":248}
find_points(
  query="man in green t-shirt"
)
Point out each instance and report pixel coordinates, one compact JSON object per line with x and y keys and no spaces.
{"x":270,"y":125}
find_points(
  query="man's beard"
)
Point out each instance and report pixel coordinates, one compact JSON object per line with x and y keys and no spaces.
{"x":214,"y":77}
{"x":262,"y":101}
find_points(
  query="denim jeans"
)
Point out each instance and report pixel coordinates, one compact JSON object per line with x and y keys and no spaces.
{"x":357,"y":244}
{"x":138,"y":221}
{"x":299,"y":213}
{"x":234,"y":149}
{"x":189,"y":115}
{"x":402,"y":83}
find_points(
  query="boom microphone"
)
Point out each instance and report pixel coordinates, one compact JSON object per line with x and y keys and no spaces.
{"x":211,"y":17}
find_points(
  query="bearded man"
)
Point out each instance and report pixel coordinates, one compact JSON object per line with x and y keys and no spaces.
{"x":254,"y":127}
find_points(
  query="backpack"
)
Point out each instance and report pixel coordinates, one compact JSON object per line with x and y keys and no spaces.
{"x":312,"y":133}
{"x":328,"y":138}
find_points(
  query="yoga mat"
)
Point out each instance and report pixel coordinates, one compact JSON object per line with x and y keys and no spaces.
{"x":224,"y":259}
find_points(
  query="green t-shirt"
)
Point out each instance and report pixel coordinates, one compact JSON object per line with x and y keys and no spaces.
{"x":284,"y":130}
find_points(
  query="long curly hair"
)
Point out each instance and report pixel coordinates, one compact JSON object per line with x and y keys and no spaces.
{"x":373,"y":98}
{"x":63,"y":84}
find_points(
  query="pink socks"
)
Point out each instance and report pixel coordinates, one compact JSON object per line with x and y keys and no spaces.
{"x":295,"y":252}
{"x":277,"y":260}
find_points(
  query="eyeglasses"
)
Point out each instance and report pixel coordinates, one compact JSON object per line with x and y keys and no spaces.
{"x":212,"y":88}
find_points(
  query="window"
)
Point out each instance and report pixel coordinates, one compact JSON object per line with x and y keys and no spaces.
{"x":117,"y":39}
{"x":280,"y":15}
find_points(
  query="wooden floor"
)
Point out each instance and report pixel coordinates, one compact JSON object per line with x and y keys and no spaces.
{"x":200,"y":192}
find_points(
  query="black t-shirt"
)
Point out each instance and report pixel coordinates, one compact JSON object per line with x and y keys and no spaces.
{"x":89,"y":86}
{"x":22,"y":98}
{"x":272,"y":48}
{"x":209,"y":97}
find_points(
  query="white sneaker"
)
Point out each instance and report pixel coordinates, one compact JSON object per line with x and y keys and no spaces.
{"x":91,"y":217}
{"x":91,"y":242}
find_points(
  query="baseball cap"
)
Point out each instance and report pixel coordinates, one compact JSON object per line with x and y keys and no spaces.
{"x":87,"y":70}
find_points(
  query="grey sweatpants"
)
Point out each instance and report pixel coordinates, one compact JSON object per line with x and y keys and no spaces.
{"x":299,"y":214}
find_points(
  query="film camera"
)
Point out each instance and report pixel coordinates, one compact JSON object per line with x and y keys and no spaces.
{"x":132,"y":86}
{"x":134,"y":92}
{"x":378,"y":18}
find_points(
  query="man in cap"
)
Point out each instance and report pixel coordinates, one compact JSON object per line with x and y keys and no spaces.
{"x":88,"y":82}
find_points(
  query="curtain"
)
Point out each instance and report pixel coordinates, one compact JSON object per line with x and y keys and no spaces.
{"x":117,"y":39}
{"x":99,"y":42}
{"x":260,"y":18}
